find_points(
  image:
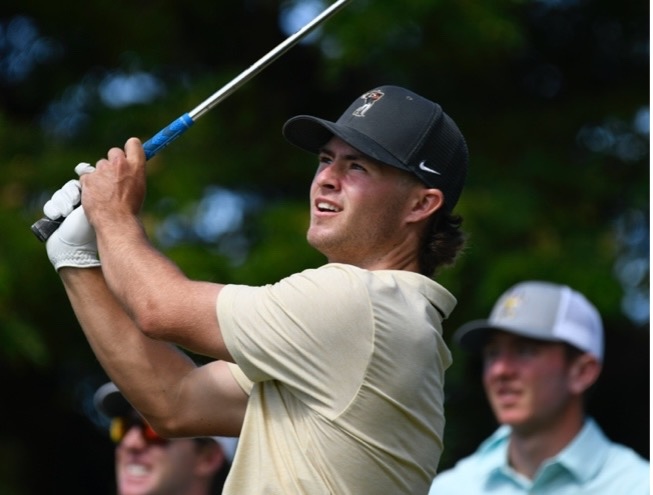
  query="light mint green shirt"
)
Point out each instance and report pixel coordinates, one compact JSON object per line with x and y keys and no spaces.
{"x":590,"y":465}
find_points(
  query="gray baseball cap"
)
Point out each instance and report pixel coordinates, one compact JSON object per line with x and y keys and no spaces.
{"x":111,"y":403}
{"x":542,"y":311}
{"x":396,"y":127}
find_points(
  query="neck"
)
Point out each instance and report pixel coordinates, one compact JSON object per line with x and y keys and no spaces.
{"x":400,"y":256}
{"x":530,"y":447}
{"x":381,"y":263}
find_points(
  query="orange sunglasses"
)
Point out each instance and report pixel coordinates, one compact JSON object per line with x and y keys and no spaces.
{"x":122,"y":424}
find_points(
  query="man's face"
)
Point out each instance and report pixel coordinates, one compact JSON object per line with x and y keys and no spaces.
{"x":358,"y":206}
{"x":527,"y":381}
{"x":147,"y":468}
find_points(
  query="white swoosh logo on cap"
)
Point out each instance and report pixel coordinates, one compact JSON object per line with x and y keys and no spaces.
{"x":422,"y":166}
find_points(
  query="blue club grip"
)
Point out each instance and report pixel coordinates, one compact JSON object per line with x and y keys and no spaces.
{"x":167,"y":135}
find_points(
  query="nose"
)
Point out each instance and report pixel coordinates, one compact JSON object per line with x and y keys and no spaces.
{"x":327,"y":176}
{"x":498,"y":364}
{"x":134,"y":438}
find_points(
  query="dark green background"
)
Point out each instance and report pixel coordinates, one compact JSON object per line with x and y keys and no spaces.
{"x":547,"y":94}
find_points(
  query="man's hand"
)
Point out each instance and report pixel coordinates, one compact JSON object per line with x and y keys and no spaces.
{"x":73,"y":243}
{"x":116,"y":190}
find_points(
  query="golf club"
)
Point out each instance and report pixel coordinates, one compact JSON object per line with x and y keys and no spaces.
{"x":45,"y":227}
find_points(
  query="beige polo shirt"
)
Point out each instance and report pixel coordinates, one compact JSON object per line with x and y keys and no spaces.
{"x":345,"y":371}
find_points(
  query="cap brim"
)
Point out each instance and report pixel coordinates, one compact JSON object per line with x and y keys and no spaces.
{"x":311,"y":134}
{"x":110,"y":401}
{"x":472,"y":336}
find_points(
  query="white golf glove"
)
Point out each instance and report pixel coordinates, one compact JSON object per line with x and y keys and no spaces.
{"x":73,"y":243}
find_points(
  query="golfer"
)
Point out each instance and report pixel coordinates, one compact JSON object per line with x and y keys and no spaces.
{"x":332,"y":377}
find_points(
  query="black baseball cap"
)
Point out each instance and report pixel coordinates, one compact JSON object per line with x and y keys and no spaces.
{"x":110,"y":402}
{"x":396,"y":127}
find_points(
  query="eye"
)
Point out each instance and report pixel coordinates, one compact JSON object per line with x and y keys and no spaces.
{"x":490,"y":353}
{"x":326,"y":159}
{"x":358,"y":166}
{"x":323,"y":161}
{"x":527,"y":349}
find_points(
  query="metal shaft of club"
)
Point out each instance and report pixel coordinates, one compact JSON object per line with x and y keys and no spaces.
{"x":254,"y":69}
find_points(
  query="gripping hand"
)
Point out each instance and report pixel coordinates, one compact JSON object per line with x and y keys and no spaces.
{"x":73,"y":243}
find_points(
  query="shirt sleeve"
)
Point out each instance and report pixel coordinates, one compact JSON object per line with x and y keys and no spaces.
{"x":245,"y":383}
{"x":309,"y":331}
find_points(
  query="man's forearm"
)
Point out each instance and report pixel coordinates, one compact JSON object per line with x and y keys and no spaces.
{"x":131,"y":359}
{"x":134,"y":271}
{"x":156,"y":294}
{"x":163,"y":303}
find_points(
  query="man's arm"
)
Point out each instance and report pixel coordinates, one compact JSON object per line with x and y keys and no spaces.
{"x":159,"y":298}
{"x":176,"y":397}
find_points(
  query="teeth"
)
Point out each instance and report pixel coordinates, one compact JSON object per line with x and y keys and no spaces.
{"x":136,"y":470}
{"x":326,"y":206}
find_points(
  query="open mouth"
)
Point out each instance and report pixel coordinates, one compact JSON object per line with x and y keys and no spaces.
{"x":137,"y":469}
{"x":506,"y":395}
{"x":323,"y":206}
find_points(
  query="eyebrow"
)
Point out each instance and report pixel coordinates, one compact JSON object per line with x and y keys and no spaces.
{"x":350,"y":156}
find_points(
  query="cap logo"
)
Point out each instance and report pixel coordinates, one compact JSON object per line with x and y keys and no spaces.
{"x":510,"y":305}
{"x":370,"y":98}
{"x":422,"y":166}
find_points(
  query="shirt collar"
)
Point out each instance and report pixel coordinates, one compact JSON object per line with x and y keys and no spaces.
{"x":495,"y":450}
{"x":573,"y":457}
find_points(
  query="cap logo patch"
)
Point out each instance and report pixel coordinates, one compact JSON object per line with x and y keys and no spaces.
{"x":422,"y":166}
{"x":370,"y":98}
{"x":510,"y":305}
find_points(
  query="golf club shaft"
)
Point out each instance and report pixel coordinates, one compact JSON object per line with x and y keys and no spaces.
{"x":180,"y":125}
{"x":45,"y":227}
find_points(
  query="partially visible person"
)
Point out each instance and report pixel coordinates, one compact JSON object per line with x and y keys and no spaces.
{"x":147,"y":464}
{"x":542,"y":349}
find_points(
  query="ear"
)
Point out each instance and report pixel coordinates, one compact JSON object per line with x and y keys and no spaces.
{"x":210,"y":459}
{"x":583,"y":372}
{"x":424,"y":203}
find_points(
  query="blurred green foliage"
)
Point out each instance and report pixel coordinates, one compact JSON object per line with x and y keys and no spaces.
{"x":546,"y":93}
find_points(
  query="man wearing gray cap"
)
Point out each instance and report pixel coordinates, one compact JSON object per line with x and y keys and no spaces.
{"x":332,"y":377}
{"x":542,"y":349}
{"x":146,"y":464}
